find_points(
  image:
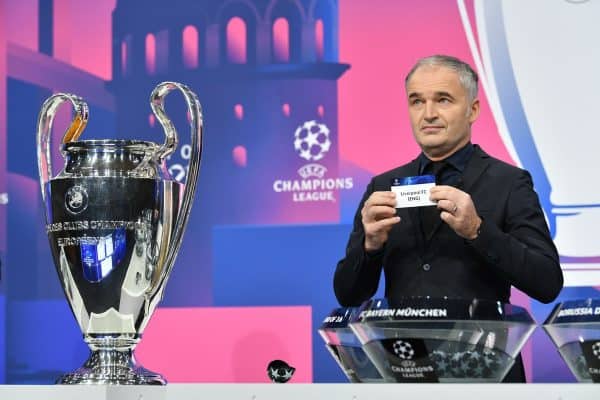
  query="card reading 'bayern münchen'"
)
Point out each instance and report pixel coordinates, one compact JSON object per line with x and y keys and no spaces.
{"x":413,"y":191}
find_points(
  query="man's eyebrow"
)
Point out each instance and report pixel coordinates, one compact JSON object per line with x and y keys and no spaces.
{"x":437,"y":94}
{"x":443,"y":94}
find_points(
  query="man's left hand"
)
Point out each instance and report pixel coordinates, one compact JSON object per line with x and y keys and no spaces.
{"x":457,"y":210}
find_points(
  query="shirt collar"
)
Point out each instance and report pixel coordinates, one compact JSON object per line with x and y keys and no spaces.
{"x":458,"y":159}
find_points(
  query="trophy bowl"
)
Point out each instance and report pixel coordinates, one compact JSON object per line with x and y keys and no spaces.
{"x":447,"y":340}
{"x":574,"y":328}
{"x":345,"y":348}
{"x":115,"y":220}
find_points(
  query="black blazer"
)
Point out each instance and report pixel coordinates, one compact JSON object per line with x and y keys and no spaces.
{"x":514,"y":246}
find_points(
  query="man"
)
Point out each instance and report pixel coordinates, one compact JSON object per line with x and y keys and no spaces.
{"x":487,"y":232}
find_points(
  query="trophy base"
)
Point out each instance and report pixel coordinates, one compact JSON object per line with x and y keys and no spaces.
{"x":111,"y":367}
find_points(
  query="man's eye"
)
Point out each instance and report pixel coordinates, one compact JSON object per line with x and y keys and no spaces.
{"x":417,"y":101}
{"x":444,"y":100}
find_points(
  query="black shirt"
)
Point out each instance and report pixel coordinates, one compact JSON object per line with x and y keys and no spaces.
{"x":456,"y":164}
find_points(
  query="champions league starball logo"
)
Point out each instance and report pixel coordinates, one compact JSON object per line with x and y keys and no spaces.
{"x":312,"y":141}
{"x":596,"y":349}
{"x":76,"y":199}
{"x":403,"y":350}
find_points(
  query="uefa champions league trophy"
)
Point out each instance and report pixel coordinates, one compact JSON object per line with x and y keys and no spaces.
{"x":115,"y":220}
{"x":541,"y":79}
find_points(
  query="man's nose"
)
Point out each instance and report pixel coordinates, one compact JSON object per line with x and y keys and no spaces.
{"x":430,"y":111}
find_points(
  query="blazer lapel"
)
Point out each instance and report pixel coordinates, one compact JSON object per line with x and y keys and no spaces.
{"x":476,"y":166}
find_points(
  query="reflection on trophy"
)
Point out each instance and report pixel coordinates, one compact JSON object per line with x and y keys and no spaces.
{"x":542,"y":101}
{"x":115,"y":220}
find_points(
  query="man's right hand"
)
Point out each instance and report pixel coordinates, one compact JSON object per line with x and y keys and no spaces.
{"x":378,"y":217}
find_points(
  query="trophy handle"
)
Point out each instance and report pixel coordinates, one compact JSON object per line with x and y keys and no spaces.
{"x":195,"y":116}
{"x":44,"y":128}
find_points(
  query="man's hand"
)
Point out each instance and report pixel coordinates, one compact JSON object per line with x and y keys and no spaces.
{"x":457,"y":210}
{"x":378,"y":217}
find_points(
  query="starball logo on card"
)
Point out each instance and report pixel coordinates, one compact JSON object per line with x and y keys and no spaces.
{"x":312,"y":142}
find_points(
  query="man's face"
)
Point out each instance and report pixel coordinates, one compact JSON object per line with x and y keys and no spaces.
{"x":440,"y":112}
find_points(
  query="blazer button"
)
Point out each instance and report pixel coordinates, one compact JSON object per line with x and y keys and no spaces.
{"x":426,"y":267}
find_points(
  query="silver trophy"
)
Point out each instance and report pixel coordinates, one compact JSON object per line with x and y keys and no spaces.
{"x":115,"y":220}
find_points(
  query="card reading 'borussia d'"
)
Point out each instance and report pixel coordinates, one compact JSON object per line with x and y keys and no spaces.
{"x":413,"y":191}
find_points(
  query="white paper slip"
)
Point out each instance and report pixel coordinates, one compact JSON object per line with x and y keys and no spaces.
{"x":413,"y":191}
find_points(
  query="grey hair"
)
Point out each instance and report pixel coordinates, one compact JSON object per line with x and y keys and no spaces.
{"x":466,"y":75}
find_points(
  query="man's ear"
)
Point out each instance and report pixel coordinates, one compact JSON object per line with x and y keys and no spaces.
{"x":474,"y":111}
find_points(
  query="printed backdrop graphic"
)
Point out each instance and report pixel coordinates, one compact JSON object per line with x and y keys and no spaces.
{"x":303,"y":102}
